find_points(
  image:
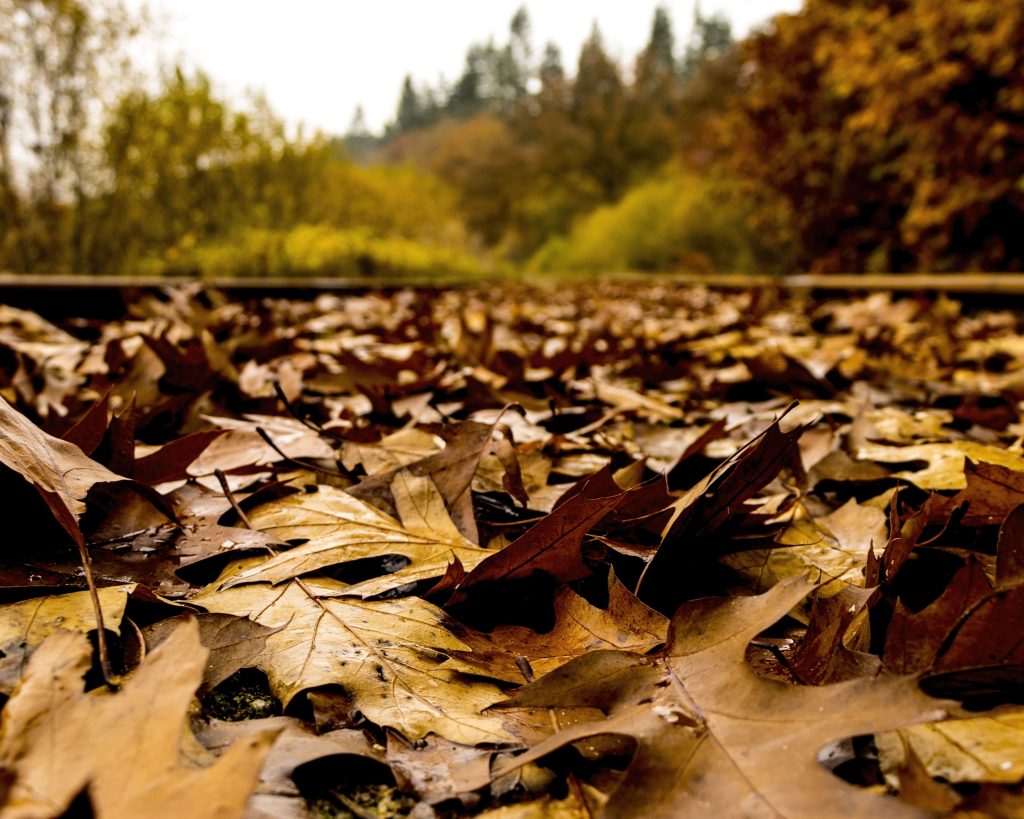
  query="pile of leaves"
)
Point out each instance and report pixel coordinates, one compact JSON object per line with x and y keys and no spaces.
{"x":513,"y":552}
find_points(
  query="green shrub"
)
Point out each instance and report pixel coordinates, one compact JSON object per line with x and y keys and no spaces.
{"x":670,"y":222}
{"x":316,"y":250}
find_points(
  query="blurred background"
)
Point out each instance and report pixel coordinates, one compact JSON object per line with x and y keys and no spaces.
{"x":466,"y":139}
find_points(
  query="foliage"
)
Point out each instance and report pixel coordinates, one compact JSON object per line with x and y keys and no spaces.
{"x":527,"y":164}
{"x":314,"y":250}
{"x":62,"y":64}
{"x":174,"y":179}
{"x":193,"y":185}
{"x":887,"y":134}
{"x":673,"y":221}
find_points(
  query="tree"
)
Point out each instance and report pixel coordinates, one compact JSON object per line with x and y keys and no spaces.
{"x":494,"y":78}
{"x":61,"y":64}
{"x":410,"y":108}
{"x":888,"y":134}
{"x":551,"y":69}
{"x":661,"y":45}
{"x":653,"y":100}
{"x":709,"y":37}
{"x":481,"y":160}
{"x":358,"y":142}
{"x":598,"y":108}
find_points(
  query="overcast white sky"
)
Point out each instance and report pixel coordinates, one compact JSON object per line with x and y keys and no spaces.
{"x":316,"y":60}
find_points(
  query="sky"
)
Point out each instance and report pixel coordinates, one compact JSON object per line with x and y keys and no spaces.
{"x":316,"y":60}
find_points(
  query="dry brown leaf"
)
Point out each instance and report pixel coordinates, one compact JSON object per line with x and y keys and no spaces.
{"x":394,"y":451}
{"x":387,"y":655}
{"x":24,"y":626}
{"x":58,"y":470}
{"x":713,"y":738}
{"x":832,"y":549}
{"x":982,"y":749}
{"x":339,"y":528}
{"x":580,"y":627}
{"x":125,"y":748}
{"x":944,"y":463}
{"x":232,"y":642}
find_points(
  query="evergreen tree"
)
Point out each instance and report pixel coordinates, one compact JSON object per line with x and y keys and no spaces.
{"x":662,"y":43}
{"x":653,"y":100}
{"x":551,"y":69}
{"x":710,"y":37}
{"x":598,"y":109}
{"x":358,"y":142}
{"x":410,"y":108}
{"x":467,"y":95}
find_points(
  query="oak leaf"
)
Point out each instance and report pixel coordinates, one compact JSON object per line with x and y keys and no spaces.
{"x":25,"y":625}
{"x":712,"y":737}
{"x":124,"y":749}
{"x":387,"y":655}
{"x":339,"y":528}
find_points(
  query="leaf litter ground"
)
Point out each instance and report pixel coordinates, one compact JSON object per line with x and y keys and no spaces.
{"x":514,"y":552}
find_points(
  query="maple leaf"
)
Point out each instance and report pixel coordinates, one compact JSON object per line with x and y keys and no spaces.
{"x":386,"y":654}
{"x":713,"y":737}
{"x":124,"y":749}
{"x":339,"y":528}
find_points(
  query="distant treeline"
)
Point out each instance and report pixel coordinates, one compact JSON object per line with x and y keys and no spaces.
{"x":871,"y":135}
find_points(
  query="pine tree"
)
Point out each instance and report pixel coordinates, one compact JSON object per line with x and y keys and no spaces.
{"x":710,"y":37}
{"x":662,"y":43}
{"x":410,"y":107}
{"x":551,"y":69}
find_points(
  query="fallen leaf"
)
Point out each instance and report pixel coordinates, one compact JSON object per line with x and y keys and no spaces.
{"x":553,"y":544}
{"x":437,"y":770}
{"x":944,"y":464}
{"x":714,"y":737}
{"x":387,"y":655}
{"x":232,"y":642}
{"x":339,"y":528}
{"x":58,"y":470}
{"x":580,"y":627}
{"x":25,"y":625}
{"x":982,"y":749}
{"x":711,"y":502}
{"x":124,"y":748}
{"x":402,"y":448}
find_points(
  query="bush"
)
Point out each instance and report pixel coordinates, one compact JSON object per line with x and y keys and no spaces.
{"x":316,"y":250}
{"x":669,"y":222}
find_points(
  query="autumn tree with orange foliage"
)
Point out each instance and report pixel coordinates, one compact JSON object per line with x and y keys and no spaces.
{"x":887,"y":134}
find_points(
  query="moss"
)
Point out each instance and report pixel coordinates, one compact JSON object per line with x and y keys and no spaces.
{"x":244,"y":695}
{"x":359,"y":801}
